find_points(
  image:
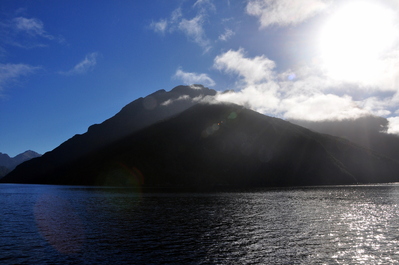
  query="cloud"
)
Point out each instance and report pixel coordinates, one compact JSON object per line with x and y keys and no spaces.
{"x":261,"y":97}
{"x":393,"y":125}
{"x":160,"y":26}
{"x":205,"y":5}
{"x":258,"y":69}
{"x":194,"y":30}
{"x":304,"y":94}
{"x":228,"y":33}
{"x":10,"y":73}
{"x":170,"y":101}
{"x":31,"y":26}
{"x":284,"y":12}
{"x":26,"y":33}
{"x":321,"y":107}
{"x":176,"y":15}
{"x":194,"y":78}
{"x":167,"y":25}
{"x":84,"y":66}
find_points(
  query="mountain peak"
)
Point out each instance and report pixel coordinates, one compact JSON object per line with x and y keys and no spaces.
{"x":11,"y":162}
{"x":193,"y":90}
{"x":211,"y":145}
{"x":133,"y":117}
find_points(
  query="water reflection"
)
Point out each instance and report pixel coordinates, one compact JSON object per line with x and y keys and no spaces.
{"x":325,"y":225}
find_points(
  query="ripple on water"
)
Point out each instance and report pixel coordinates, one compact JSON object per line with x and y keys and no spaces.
{"x":324,"y":225}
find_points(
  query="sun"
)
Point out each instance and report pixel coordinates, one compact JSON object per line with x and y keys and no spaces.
{"x":354,"y":39}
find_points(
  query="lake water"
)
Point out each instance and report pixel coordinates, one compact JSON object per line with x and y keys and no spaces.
{"x":43,"y":224}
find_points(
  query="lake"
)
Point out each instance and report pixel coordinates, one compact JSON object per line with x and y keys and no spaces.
{"x":44,"y":224}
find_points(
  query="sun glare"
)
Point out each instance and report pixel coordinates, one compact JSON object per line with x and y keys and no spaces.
{"x":354,"y":39}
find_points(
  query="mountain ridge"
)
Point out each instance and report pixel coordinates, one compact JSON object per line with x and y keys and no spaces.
{"x":132,"y":117}
{"x":8,"y":163}
{"x":218,"y":145}
{"x":368,"y":131}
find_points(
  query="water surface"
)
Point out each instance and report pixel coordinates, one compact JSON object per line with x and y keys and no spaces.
{"x":90,"y":225}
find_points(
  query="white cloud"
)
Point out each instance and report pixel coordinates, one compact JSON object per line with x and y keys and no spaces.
{"x":84,"y":66}
{"x":303,"y":94}
{"x":258,"y":69}
{"x":320,"y":107}
{"x":26,"y":33}
{"x":228,"y":33}
{"x":167,"y":25}
{"x":194,"y":78}
{"x":160,"y":26}
{"x":284,"y":12}
{"x":195,"y":32}
{"x":307,"y":92}
{"x":176,"y":15}
{"x":192,"y":28}
{"x":10,"y":73}
{"x":386,"y":72}
{"x":260,"y":97}
{"x":32,"y":26}
{"x":205,"y":5}
{"x":170,"y":101}
{"x":393,"y":125}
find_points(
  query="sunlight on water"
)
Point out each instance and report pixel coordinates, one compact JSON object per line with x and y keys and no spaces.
{"x":94,"y":225}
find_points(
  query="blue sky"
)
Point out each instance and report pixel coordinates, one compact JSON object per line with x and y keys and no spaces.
{"x":65,"y":65}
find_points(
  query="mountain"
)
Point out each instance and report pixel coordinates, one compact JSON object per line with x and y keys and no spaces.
{"x":4,"y":171}
{"x":367,"y":131}
{"x":133,"y":117}
{"x":213,"y":146}
{"x":12,"y":162}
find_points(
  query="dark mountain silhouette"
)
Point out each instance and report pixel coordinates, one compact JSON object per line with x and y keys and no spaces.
{"x":134,"y":116}
{"x":368,"y":131}
{"x":8,"y":163}
{"x":214,"y":146}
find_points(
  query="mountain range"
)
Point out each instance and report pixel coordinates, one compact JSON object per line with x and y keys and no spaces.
{"x":7,"y":163}
{"x":181,"y":140}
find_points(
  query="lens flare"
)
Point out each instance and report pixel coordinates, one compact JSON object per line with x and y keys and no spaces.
{"x":58,"y":222}
{"x":119,"y":174}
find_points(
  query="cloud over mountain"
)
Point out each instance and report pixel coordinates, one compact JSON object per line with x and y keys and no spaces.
{"x":367,"y":79}
{"x":300,"y":96}
{"x":193,"y":78}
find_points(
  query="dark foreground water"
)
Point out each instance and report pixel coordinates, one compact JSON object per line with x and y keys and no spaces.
{"x":84,"y":225}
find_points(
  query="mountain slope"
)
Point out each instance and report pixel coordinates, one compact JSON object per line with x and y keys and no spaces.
{"x":217,"y":145}
{"x":12,"y":162}
{"x":133,"y":117}
{"x":366,"y":131}
{"x":3,"y":171}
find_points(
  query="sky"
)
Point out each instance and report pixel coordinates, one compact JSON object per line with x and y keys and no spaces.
{"x":68,"y":64}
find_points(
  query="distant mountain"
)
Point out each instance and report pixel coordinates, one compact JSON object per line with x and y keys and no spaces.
{"x":8,"y":163}
{"x":4,"y":171}
{"x":368,"y":131}
{"x":12,"y":162}
{"x":214,"y":146}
